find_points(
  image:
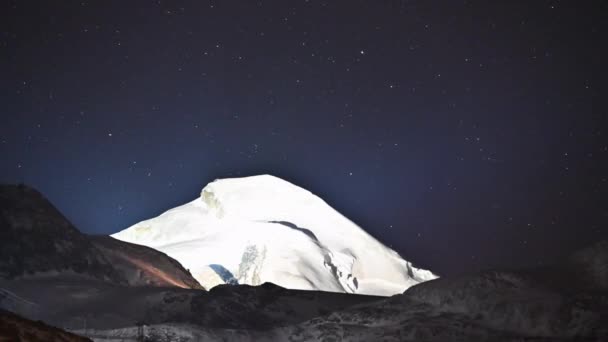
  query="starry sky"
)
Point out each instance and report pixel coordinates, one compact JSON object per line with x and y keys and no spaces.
{"x":464,"y":134}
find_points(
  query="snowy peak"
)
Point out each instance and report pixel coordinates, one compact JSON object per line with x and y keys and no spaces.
{"x":256,"y":197}
{"x":260,"y":229}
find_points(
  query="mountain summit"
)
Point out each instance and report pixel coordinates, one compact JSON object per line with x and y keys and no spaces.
{"x":260,"y":229}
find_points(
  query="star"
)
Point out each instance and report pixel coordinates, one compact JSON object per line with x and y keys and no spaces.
{"x":292,"y":94}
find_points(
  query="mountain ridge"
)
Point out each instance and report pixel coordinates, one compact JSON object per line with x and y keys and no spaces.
{"x":37,"y":241}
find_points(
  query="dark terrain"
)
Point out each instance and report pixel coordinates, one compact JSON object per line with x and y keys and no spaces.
{"x":36,"y":241}
{"x":14,"y":328}
{"x":104,"y":288}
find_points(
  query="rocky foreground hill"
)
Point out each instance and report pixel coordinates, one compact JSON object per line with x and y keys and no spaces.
{"x":37,"y":241}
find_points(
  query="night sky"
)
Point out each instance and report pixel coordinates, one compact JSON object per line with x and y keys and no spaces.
{"x":466,"y":135}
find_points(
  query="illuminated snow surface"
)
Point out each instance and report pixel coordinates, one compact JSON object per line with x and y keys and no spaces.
{"x":260,"y":229}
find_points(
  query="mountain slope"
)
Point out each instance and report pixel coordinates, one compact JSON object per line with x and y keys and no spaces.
{"x":263,"y":229}
{"x":14,"y":328}
{"x":37,"y":241}
{"x":79,"y":304}
{"x":141,"y":265}
{"x":524,"y":305}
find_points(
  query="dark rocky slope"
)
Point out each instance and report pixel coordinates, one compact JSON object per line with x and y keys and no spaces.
{"x":141,"y":265}
{"x":564,"y":302}
{"x":37,"y":241}
{"x":18,"y":329}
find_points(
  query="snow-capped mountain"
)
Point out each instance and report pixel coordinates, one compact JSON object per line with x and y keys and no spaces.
{"x":260,"y":229}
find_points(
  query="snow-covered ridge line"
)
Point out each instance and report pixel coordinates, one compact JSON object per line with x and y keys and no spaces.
{"x":260,"y":229}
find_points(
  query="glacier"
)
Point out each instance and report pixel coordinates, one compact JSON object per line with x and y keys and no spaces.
{"x":258,"y":229}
